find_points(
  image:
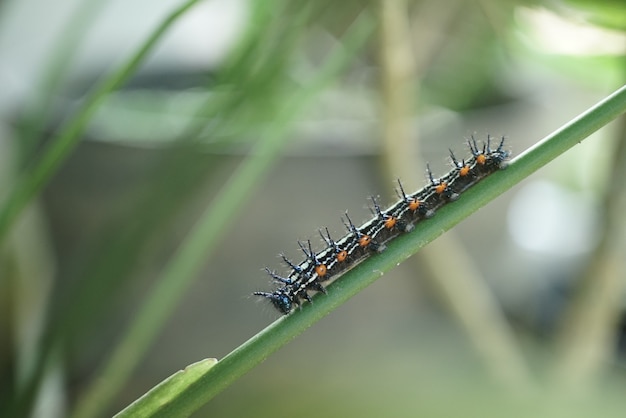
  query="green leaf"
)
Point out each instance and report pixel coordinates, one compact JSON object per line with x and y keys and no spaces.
{"x":163,"y":393}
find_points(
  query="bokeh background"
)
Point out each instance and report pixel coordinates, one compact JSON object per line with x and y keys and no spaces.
{"x":518,"y":311}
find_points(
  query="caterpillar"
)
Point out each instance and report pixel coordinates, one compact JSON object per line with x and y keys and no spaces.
{"x":338,"y":256}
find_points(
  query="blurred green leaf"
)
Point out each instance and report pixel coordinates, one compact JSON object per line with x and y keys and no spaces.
{"x":610,"y":14}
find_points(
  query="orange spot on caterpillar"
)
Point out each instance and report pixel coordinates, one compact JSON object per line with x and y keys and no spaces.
{"x":464,"y":171}
{"x":342,"y":255}
{"x":321,"y":270}
{"x":440,"y":188}
{"x":481,"y":159}
{"x":364,"y":241}
{"x":391,"y":222}
{"x":414,"y":205}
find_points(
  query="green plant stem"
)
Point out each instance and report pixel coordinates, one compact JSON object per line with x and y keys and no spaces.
{"x":34,"y":179}
{"x":192,"y":255}
{"x":459,"y":285}
{"x":260,"y":346}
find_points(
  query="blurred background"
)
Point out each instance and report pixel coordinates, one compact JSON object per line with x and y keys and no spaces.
{"x":250,"y":125}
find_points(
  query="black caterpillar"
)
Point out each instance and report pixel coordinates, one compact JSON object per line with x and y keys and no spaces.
{"x":371,"y":237}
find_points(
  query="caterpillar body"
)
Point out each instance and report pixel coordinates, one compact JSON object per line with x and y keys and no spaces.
{"x":320,"y":267}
